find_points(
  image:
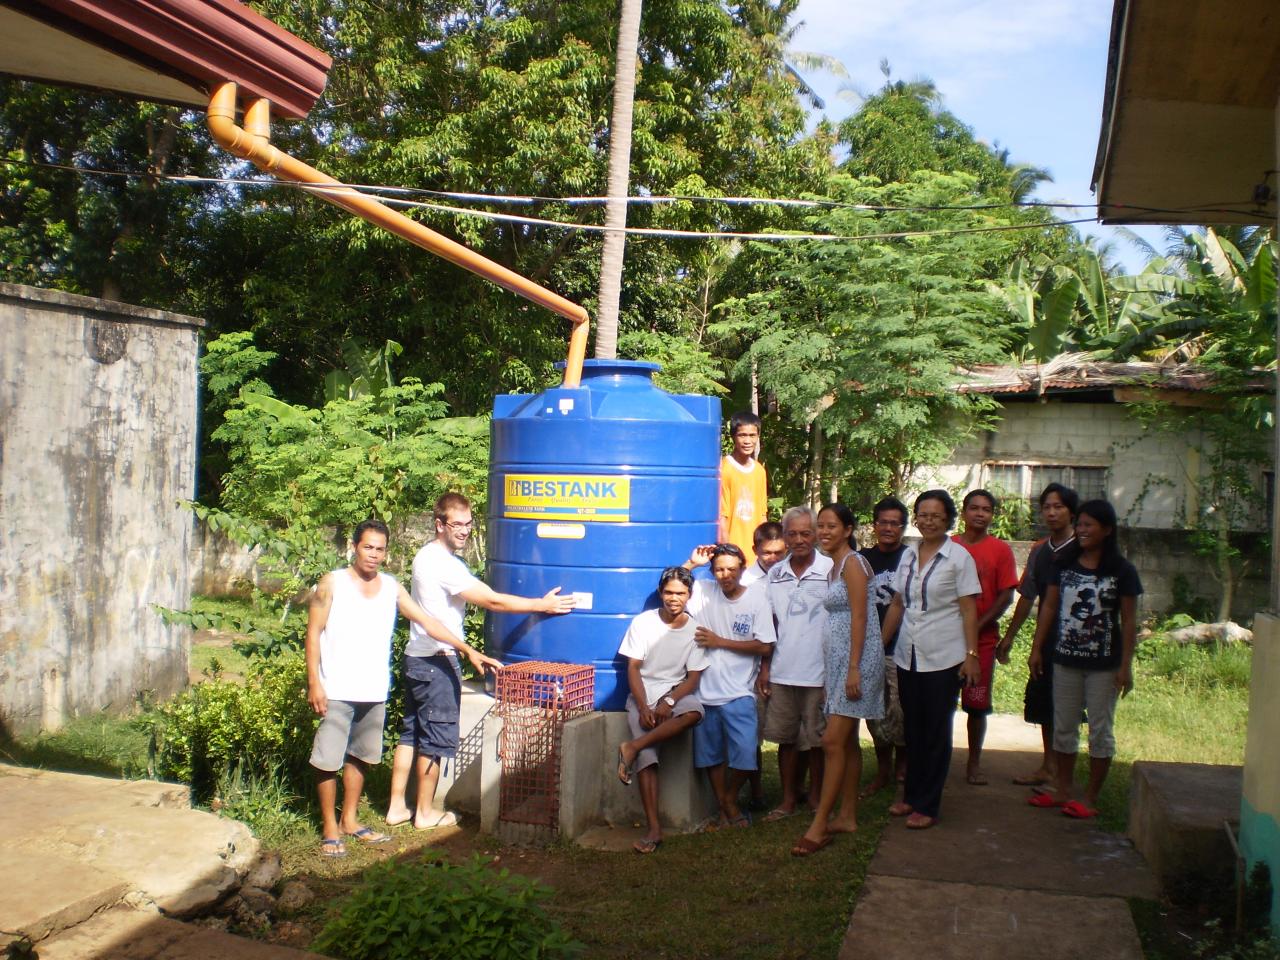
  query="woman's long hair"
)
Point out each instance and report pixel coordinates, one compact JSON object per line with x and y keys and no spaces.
{"x":1104,"y":513}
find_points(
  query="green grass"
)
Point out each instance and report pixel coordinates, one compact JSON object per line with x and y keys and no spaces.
{"x":736,"y":892}
{"x":214,"y":659}
{"x":101,"y":744}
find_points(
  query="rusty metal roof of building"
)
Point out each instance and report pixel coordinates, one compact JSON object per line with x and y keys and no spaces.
{"x":170,"y":51}
{"x":1070,"y":372}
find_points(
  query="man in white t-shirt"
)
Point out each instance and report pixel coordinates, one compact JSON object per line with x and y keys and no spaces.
{"x":664,"y":664}
{"x":348,"y":646}
{"x":770,"y":548}
{"x":735,"y":626}
{"x":444,"y":586}
{"x":797,"y":587}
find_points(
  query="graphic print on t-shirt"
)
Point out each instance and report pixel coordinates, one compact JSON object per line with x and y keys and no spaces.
{"x":1086,"y":621}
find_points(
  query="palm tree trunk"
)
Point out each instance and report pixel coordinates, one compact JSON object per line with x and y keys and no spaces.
{"x":615,"y":217}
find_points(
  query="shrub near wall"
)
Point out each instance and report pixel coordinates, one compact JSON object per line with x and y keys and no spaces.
{"x":263,"y":727}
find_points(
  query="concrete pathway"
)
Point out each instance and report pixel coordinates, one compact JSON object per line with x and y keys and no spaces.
{"x":998,"y":877}
{"x":96,"y":868}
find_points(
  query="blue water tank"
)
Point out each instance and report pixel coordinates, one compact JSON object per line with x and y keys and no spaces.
{"x":595,"y":490}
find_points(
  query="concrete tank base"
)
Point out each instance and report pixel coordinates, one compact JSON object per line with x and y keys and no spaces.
{"x":1177,"y":813}
{"x":591,"y":795}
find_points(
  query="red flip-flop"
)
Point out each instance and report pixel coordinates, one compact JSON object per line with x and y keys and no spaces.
{"x":1078,"y":811}
{"x":1045,"y":800}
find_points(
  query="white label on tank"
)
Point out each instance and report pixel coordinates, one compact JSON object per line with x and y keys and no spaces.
{"x":583,"y":599}
{"x":562,"y":531}
{"x":566,"y":404}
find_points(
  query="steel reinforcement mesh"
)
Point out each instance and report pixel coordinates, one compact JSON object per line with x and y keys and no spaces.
{"x":535,"y":700}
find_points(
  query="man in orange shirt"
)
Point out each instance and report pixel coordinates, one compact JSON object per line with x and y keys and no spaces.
{"x":744,"y":500}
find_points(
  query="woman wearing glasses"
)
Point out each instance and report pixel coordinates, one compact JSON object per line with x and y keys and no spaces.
{"x":934,"y":612}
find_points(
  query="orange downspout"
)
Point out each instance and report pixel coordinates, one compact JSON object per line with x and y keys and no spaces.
{"x":253,"y":143}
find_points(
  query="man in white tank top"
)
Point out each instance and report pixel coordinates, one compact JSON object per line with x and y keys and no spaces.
{"x":348,"y":650}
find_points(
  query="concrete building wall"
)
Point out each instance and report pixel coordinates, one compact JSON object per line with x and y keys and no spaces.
{"x":1260,"y":804}
{"x":97,"y":446}
{"x":1148,"y":479}
{"x":1147,"y":471}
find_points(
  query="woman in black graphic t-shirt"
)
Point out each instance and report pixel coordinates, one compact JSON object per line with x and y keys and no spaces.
{"x":1093,"y":599}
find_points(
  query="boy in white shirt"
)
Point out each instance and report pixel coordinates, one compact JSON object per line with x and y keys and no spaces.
{"x":664,"y":664}
{"x":735,"y":624}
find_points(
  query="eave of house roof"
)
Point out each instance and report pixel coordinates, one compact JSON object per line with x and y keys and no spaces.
{"x":171,"y":51}
{"x":1189,"y":112}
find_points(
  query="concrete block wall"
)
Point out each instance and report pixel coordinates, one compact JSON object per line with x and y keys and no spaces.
{"x":97,"y":446}
{"x":1147,"y":471}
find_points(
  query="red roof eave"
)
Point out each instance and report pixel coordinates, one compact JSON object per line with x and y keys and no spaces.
{"x":211,"y":41}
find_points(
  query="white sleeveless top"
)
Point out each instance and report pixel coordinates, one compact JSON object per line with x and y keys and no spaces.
{"x":355,"y":645}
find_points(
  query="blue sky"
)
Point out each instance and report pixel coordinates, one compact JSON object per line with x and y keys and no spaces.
{"x":1028,"y":76}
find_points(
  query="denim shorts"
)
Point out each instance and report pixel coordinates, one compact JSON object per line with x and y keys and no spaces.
{"x":432,"y":697}
{"x":727,"y":733}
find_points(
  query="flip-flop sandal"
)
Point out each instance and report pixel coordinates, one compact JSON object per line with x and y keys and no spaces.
{"x":646,"y":846}
{"x":711,"y":825}
{"x":1031,"y":780}
{"x":370,"y":836}
{"x":919,"y":821}
{"x":806,"y":848}
{"x":333,"y":848}
{"x":446,"y":819}
{"x":976,"y":780}
{"x":899,"y":809}
{"x":624,"y":770}
{"x":741,"y":821}
{"x":1044,"y":801}
{"x":777,"y":813}
{"x":1078,"y":811}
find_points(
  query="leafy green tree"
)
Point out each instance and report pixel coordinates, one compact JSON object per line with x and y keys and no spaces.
{"x":859,"y":340}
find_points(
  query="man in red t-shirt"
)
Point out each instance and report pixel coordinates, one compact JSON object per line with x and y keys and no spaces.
{"x":997,"y":575}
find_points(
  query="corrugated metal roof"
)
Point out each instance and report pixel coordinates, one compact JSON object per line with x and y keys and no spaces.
{"x":1079,"y":371}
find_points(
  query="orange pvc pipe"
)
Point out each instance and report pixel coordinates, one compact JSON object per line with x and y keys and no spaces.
{"x":253,"y":143}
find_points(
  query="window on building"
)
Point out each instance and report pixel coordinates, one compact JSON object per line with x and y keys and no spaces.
{"x":1026,"y":480}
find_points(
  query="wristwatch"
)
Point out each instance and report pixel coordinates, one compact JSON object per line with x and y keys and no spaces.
{"x":669,"y":700}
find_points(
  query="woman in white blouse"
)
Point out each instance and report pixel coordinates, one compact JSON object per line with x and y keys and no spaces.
{"x":936,"y":588}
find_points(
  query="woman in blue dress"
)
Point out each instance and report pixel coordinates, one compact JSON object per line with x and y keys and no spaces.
{"x":854,"y":678}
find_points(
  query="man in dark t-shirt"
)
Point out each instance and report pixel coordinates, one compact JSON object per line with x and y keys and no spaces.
{"x":890,"y":516}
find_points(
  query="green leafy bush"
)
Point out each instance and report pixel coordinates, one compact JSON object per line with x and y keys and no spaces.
{"x":420,"y":910}
{"x":262,"y":727}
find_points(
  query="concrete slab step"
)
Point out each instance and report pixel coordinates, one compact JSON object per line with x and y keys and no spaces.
{"x":1176,"y":817}
{"x":182,"y":860}
{"x":43,"y":895}
{"x":900,"y":919}
{"x":123,"y":933}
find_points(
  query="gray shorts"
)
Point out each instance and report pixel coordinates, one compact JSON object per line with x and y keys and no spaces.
{"x":794,"y":716}
{"x":1091,"y":690}
{"x":889,"y":731}
{"x":649,"y":755}
{"x":348,"y":729}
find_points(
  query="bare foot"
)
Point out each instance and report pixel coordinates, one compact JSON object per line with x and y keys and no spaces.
{"x":398,"y":815}
{"x":874,"y":787}
{"x":842,"y":826}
